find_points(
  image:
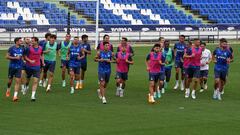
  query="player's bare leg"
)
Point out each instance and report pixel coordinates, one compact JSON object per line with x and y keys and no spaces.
{"x":16,"y":89}
{"x":63,"y":76}
{"x":9,"y":87}
{"x":176,"y":77}
{"x":50,"y":79}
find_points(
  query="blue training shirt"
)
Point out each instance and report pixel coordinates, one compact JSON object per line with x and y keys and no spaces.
{"x":75,"y":51}
{"x":14,"y":52}
{"x":88,"y":48}
{"x":179,"y":51}
{"x":105,"y":67}
{"x":221,"y":58}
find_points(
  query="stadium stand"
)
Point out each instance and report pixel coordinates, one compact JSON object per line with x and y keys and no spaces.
{"x":217,"y":11}
{"x":122,"y":12}
{"x":134,"y":12}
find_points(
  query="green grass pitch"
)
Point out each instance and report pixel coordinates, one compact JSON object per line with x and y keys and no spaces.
{"x":59,"y":113}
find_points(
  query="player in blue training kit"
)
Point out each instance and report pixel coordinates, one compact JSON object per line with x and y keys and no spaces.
{"x":222,"y":58}
{"x":179,"y":52}
{"x":43,"y":43}
{"x":15,"y":54}
{"x":87,"y":50}
{"x":231,"y":50}
{"x":75,"y":54}
{"x":104,"y":59}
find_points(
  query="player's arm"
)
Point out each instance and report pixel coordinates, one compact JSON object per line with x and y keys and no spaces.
{"x":214,"y":56}
{"x":129,"y":60}
{"x":44,"y":49}
{"x":60,"y":47}
{"x":162,"y":61}
{"x":58,"y":50}
{"x":81,"y":54}
{"x":97,"y":57}
{"x":88,"y":50}
{"x":98,"y":47}
{"x":147,"y":62}
{"x":175,"y":50}
{"x":26,"y":56}
{"x":210,"y":58}
{"x":42,"y":58}
{"x":131,"y":51}
{"x":68,"y":53}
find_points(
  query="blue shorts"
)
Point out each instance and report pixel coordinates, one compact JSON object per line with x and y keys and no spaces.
{"x":168,"y":72}
{"x":193,"y":72}
{"x":185,"y":72}
{"x":178,"y":64}
{"x":32,"y":72}
{"x":76,"y":70}
{"x":64,"y":63}
{"x":120,"y":75}
{"x":14,"y":72}
{"x":162,"y":76}
{"x":204,"y":73}
{"x":49,"y":66}
{"x":220,"y":74}
{"x":104,"y":76}
{"x":154,"y":77}
{"x":84,"y":66}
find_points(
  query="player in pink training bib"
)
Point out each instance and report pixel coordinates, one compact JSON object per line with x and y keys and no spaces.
{"x":123,"y":60}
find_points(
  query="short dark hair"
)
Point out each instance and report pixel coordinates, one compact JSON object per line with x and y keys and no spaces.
{"x":53,"y":36}
{"x":124,"y":38}
{"x":223,"y":40}
{"x":17,"y":39}
{"x":156,"y":45}
{"x":106,"y":35}
{"x":160,"y":38}
{"x":166,"y":41}
{"x":84,"y":36}
{"x":47,"y":35}
{"x":76,"y":37}
{"x":190,"y":42}
{"x":35,"y":38}
{"x":68,"y":34}
{"x":196,"y":39}
{"x":104,"y":43}
{"x":203,"y":43}
{"x":182,"y":36}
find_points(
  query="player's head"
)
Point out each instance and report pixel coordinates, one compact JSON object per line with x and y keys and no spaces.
{"x":18,"y":40}
{"x":76,"y":40}
{"x":223,"y":43}
{"x":166,"y":43}
{"x":197,"y":42}
{"x":52,"y":38}
{"x":68,"y":37}
{"x":106,"y":45}
{"x":161,"y":40}
{"x":27,"y":40}
{"x":35,"y":40}
{"x":124,"y":41}
{"x":189,"y":44}
{"x":47,"y":36}
{"x":203,"y":45}
{"x":181,"y":38}
{"x":84,"y":38}
{"x":106,"y":38}
{"x":156,"y":47}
